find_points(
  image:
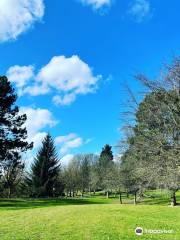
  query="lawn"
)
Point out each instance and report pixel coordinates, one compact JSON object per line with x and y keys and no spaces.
{"x":89,"y":218}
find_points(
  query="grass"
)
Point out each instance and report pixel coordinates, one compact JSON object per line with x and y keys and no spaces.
{"x":95,"y":218}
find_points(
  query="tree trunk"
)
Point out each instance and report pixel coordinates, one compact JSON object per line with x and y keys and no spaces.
{"x":173,"y":199}
{"x":90,"y":191}
{"x":127,"y":194}
{"x":135,"y":198}
{"x":120,"y":197}
{"x":107,"y":194}
{"x":9,"y":192}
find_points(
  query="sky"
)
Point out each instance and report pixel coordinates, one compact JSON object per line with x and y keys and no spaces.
{"x":69,"y":59}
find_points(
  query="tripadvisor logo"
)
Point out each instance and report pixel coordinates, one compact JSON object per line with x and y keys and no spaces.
{"x":139,"y":231}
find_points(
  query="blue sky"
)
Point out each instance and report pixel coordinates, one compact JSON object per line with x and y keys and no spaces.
{"x":68,"y":60}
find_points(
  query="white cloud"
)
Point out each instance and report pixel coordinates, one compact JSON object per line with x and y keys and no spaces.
{"x":35,"y":90}
{"x":20,"y":75}
{"x":68,"y":142}
{"x":37,"y":139}
{"x":17,"y":16}
{"x":74,"y":143}
{"x":66,"y":159}
{"x":65,"y":77}
{"x":37,"y":120}
{"x":97,"y":4}
{"x":68,"y":74}
{"x":63,"y":139}
{"x":66,"y":100}
{"x":139,"y":10}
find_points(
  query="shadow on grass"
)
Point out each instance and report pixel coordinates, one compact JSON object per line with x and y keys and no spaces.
{"x":152,"y":198}
{"x":155,"y":201}
{"x":16,"y":204}
{"x":157,"y":198}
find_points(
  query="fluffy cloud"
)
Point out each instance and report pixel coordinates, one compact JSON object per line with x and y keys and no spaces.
{"x":37,"y":120}
{"x":139,"y":10}
{"x":65,"y":77}
{"x":68,"y":74}
{"x":97,"y":4}
{"x":69,"y":142}
{"x":20,"y":75}
{"x":17,"y":16}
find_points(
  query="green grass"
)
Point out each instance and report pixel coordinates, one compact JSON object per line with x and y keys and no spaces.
{"x":95,"y":218}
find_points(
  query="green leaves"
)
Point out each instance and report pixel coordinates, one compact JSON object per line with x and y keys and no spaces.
{"x":13,"y":136}
{"x":153,"y":154}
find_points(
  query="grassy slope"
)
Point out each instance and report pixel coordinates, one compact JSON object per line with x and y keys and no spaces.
{"x":95,"y":218}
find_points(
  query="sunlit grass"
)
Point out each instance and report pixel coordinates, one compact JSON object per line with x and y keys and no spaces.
{"x":87,"y":218}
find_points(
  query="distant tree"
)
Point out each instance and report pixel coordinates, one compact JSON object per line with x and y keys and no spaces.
{"x":71,"y":176}
{"x":105,"y":166}
{"x":80,"y":174}
{"x":84,"y":175}
{"x":132,"y":173}
{"x":106,"y":156}
{"x":118,"y":178}
{"x":45,"y":170}
{"x":13,"y":137}
{"x":109,"y":179}
{"x":94,"y":177}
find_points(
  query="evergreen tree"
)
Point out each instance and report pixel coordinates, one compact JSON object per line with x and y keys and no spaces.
{"x":13,"y":137}
{"x":158,"y":126}
{"x":106,"y":156}
{"x":152,"y":158}
{"x":45,"y":170}
{"x":104,"y":166}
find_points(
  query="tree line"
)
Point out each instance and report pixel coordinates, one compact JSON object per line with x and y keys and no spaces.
{"x":149,"y":154}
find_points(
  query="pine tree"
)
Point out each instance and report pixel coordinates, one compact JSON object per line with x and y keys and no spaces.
{"x":13,"y":136}
{"x":45,"y":169}
{"x":105,"y":166}
{"x":106,"y":155}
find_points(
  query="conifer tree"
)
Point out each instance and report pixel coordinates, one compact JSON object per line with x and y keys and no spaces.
{"x":106,"y":156}
{"x":13,"y":137}
{"x":45,"y":170}
{"x":105,"y":167}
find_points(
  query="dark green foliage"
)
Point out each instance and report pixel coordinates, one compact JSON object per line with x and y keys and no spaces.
{"x":106,"y":156}
{"x":105,"y":168}
{"x":153,"y":155}
{"x":45,"y":171}
{"x":13,"y":136}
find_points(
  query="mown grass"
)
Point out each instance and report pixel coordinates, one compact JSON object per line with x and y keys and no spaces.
{"x":95,"y":218}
